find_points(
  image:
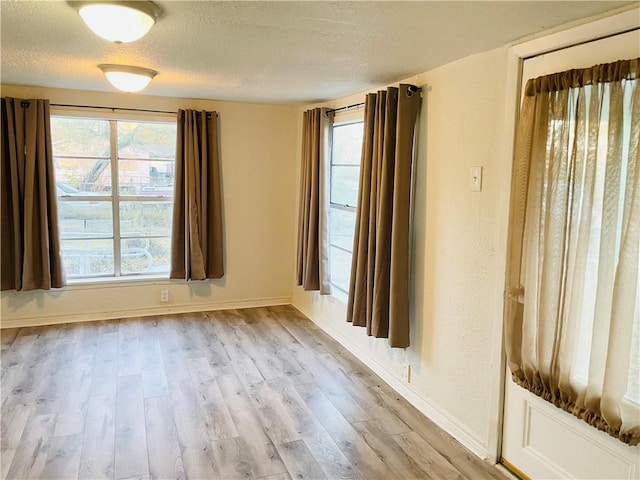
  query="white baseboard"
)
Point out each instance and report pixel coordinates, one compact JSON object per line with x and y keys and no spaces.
{"x":434,"y":412}
{"x":40,"y":320}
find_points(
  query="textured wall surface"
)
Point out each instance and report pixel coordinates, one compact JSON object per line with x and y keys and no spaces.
{"x":458,"y":272}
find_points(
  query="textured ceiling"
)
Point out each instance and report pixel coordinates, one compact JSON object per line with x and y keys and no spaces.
{"x":271,"y":51}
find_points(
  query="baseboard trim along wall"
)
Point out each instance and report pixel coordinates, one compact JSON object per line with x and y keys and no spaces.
{"x":41,"y":320}
{"x":434,"y":412}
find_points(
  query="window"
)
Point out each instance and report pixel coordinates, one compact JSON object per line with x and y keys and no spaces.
{"x":114,"y":181}
{"x":345,"y":173}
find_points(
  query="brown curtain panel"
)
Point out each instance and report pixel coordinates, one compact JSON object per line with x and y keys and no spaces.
{"x":380,"y":269}
{"x":196,"y":236}
{"x":30,"y":239}
{"x":312,"y":265}
{"x":572,"y":306}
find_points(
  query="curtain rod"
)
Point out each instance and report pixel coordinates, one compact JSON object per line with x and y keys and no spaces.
{"x":355,"y":105}
{"x":412,"y":89}
{"x":111,"y":108}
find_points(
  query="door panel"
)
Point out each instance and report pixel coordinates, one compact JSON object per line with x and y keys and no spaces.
{"x":539,"y":439}
{"x":543,"y":441}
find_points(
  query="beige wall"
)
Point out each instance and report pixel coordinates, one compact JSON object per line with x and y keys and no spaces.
{"x":258,"y":159}
{"x":458,"y":254}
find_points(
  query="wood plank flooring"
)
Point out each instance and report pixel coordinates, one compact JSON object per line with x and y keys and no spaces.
{"x":257,"y":393}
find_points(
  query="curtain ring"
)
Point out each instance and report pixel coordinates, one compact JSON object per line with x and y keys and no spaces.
{"x":411,"y":89}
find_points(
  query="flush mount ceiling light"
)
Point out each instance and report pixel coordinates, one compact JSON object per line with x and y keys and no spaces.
{"x":119,"y":22}
{"x":128,"y":78}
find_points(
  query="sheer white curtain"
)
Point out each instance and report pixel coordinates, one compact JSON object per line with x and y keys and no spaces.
{"x":573,"y":302}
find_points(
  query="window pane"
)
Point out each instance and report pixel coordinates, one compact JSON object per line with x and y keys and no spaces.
{"x":88,"y":257}
{"x":344,"y":185}
{"x":139,"y":219}
{"x":85,"y":219}
{"x":146,"y":255}
{"x":347,"y":143}
{"x":82,"y":176}
{"x":84,"y":164}
{"x":146,"y":140}
{"x":342,"y":228}
{"x":85,"y":137}
{"x":340,"y":268}
{"x":146,"y":177}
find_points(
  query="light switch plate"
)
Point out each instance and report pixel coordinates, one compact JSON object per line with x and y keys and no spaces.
{"x":475,"y":179}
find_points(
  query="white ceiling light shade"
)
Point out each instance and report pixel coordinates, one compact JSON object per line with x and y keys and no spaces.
{"x":119,"y":22}
{"x":128,"y":78}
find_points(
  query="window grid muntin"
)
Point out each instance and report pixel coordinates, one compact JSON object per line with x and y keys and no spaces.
{"x":115,"y":205}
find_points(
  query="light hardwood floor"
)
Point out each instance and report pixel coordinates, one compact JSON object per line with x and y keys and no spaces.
{"x":255,"y":393}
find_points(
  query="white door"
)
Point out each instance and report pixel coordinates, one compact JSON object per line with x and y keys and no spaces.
{"x":540,"y":440}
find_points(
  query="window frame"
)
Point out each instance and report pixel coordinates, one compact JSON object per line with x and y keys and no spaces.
{"x":348,"y":118}
{"x":115,"y":198}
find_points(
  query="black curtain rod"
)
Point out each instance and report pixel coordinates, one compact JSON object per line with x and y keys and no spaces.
{"x":412,"y":89}
{"x":111,"y":108}
{"x":345,"y":108}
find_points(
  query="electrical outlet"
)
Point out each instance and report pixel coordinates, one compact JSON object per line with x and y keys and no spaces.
{"x":164,"y":295}
{"x":406,"y":372}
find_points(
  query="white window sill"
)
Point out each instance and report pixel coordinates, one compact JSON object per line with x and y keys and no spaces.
{"x":99,"y":282}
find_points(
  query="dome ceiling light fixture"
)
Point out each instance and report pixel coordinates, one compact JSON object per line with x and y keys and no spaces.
{"x":118,"y":22}
{"x":126,"y":77}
